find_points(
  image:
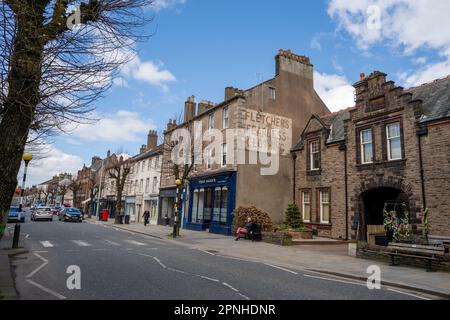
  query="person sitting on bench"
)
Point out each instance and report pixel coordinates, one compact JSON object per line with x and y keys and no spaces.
{"x":245,"y":230}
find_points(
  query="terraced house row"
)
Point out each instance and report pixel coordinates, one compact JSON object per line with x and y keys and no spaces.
{"x":342,"y":168}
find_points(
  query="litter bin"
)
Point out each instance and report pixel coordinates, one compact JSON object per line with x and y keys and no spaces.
{"x":127,"y":219}
{"x":105,"y":215}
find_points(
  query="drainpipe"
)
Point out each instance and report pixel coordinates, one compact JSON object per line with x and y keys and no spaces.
{"x":423,"y":131}
{"x":343,"y":147}
{"x":294,"y":158}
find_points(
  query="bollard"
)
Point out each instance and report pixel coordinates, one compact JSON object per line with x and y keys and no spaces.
{"x":16,"y":236}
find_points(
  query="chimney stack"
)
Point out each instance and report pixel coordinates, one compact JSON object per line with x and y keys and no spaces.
{"x":286,"y":61}
{"x":189,"y":109}
{"x":231,"y":92}
{"x":108,"y":154}
{"x":143,"y":149}
{"x":361,"y":76}
{"x":152,"y":140}
{"x":204,"y":106}
{"x":171,"y":125}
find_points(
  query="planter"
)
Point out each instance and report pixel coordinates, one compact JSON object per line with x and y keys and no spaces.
{"x":308,"y":234}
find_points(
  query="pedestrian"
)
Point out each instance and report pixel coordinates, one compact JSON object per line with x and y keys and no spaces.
{"x":146,"y":217}
{"x":245,"y":230}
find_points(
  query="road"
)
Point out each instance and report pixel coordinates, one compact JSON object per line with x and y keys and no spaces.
{"x":119,"y":265}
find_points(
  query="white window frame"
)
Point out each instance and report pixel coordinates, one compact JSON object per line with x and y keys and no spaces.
{"x":224,"y":155}
{"x":147,"y":185}
{"x":303,"y":205}
{"x":311,"y":154}
{"x":321,"y":192}
{"x":388,"y":139}
{"x":225,"y":118}
{"x":363,"y":144}
{"x":155,"y":184}
{"x":272,"y":93}
{"x":211,"y":121}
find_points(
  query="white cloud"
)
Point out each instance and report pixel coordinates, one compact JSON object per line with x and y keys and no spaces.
{"x":407,"y":24}
{"x":335,"y":90}
{"x":158,"y":5}
{"x":54,"y":161}
{"x":123,"y":126}
{"x":147,"y":71}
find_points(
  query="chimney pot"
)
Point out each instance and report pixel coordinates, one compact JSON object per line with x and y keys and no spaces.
{"x":362,"y":76}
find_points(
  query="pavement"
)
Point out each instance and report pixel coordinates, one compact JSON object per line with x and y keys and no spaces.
{"x":324,"y":259}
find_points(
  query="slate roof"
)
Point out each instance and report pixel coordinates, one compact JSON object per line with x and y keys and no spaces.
{"x":335,"y":122}
{"x":435,"y":98}
{"x":148,"y":154}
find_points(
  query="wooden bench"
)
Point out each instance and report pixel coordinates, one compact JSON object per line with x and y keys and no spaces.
{"x":428,"y":253}
{"x":255,"y":233}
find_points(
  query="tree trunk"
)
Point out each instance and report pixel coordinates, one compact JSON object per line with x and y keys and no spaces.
{"x":118,"y":218}
{"x":20,"y":105}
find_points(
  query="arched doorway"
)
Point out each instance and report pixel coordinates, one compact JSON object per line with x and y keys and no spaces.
{"x":372,"y":204}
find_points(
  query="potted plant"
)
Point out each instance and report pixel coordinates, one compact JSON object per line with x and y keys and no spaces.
{"x":397,"y":228}
{"x":293,"y":224}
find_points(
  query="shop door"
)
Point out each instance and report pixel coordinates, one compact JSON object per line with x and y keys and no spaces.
{"x":208,"y":205}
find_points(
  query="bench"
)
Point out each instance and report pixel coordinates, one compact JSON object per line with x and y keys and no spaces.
{"x":428,"y":253}
{"x":255,"y":233}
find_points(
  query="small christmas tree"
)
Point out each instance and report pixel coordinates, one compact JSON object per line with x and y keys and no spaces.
{"x":293,"y":217}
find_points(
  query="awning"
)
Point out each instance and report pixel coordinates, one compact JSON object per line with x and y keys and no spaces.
{"x":86,"y":201}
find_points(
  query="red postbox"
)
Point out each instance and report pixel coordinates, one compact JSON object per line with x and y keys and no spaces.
{"x":105,"y":215}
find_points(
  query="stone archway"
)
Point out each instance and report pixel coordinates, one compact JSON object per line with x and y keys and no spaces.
{"x":372,"y":196}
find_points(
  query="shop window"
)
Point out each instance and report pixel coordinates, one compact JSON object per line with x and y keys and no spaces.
{"x":201,"y":201}
{"x":195,"y":206}
{"x":216,"y":209}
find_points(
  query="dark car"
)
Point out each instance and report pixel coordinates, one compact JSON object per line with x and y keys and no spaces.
{"x":15,"y":215}
{"x":70,"y":214}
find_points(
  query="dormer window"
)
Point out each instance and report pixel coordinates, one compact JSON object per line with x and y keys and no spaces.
{"x":314,"y":149}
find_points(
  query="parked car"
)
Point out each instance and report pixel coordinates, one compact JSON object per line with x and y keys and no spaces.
{"x":56,"y":210}
{"x":14,"y":215}
{"x":70,"y":214}
{"x":42,"y":213}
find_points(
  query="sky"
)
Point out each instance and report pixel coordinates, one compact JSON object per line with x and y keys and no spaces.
{"x":199,"y":47}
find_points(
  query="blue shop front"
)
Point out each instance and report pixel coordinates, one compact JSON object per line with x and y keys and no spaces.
{"x":212,"y":200}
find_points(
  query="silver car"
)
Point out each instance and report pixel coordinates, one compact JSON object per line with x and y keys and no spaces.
{"x":42,"y":213}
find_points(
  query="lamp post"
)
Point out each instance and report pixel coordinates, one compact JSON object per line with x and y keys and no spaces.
{"x":27,"y":157}
{"x":179,"y":184}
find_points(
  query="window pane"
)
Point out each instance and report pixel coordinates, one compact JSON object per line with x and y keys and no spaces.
{"x":395,"y":148}
{"x":368,"y":153}
{"x":307,"y":212}
{"x":316,"y":161}
{"x":366,"y":136}
{"x":326,"y":213}
{"x":201,"y":199}
{"x":393,"y":130}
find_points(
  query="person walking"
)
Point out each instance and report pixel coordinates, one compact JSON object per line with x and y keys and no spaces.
{"x":146,"y":217}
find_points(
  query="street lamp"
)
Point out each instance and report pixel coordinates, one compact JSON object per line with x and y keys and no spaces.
{"x":179,"y":183}
{"x":27,"y":157}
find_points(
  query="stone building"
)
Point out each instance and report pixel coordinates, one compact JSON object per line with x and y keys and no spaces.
{"x":217,"y":185}
{"x":142,"y":190}
{"x":392,"y":147}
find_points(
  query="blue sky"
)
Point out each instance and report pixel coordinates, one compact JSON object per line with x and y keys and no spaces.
{"x":202,"y":46}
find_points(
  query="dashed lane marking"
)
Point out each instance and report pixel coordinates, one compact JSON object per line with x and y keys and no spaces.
{"x":136,"y":243}
{"x":112,"y":243}
{"x":46,"y":244}
{"x":81,"y":243}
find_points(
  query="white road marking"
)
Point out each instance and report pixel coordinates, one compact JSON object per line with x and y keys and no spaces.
{"x":53,"y":293}
{"x":335,"y":280}
{"x":408,"y":294}
{"x":41,"y":251}
{"x":81,"y":243}
{"x":229,"y":286}
{"x":98,"y":249}
{"x":280,"y":268}
{"x":113,"y":243}
{"x":40,"y":267}
{"x":160,"y":263}
{"x":46,"y":244}
{"x":210,"y":279}
{"x":136,"y":243}
{"x":27,"y":236}
{"x":210,"y":253}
